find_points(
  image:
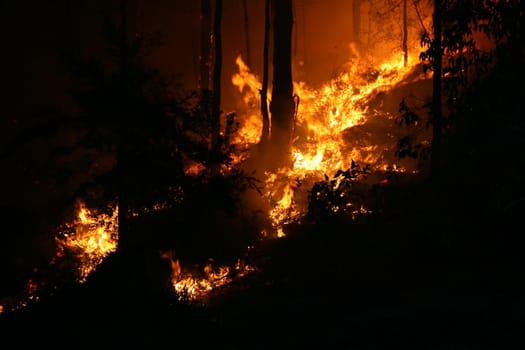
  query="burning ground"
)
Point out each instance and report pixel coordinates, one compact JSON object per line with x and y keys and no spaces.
{"x":344,"y":145}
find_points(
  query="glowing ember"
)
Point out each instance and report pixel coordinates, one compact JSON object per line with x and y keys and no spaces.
{"x":91,"y":237}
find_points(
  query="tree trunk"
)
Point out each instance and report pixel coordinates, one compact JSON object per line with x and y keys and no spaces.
{"x":124,"y":52}
{"x":124,"y":236}
{"x":282,"y":106}
{"x":217,"y":69}
{"x":204,"y":61}
{"x":264,"y":89}
{"x":247,"y":31}
{"x":136,"y":251}
{"x":435,"y":159}
{"x":405,"y":34}
{"x":356,"y":20}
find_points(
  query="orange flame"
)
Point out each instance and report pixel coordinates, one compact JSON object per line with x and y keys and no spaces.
{"x":92,"y":236}
{"x":323,"y":115}
{"x":188,"y":286}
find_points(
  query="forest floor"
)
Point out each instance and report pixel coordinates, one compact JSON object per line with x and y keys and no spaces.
{"x":434,"y":271}
{"x":440,"y":267}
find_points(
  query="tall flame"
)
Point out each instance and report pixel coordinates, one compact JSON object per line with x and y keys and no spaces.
{"x":324,"y":114}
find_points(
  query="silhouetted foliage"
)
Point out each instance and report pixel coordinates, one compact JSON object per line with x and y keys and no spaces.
{"x":146,"y":133}
{"x":137,"y":119}
{"x":282,"y":105}
{"x":464,"y":64}
{"x":338,"y":195}
{"x":411,"y":145}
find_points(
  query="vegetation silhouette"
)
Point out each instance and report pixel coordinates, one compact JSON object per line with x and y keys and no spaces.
{"x":148,"y":131}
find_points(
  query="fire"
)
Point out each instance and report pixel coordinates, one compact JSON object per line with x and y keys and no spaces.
{"x":324,"y":114}
{"x":188,"y":286}
{"x":320,"y":147}
{"x":91,"y":236}
{"x":249,"y":86}
{"x":196,"y":286}
{"x":281,"y":195}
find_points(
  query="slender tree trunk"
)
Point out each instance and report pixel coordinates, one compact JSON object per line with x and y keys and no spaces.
{"x":75,"y":26}
{"x":405,"y":34}
{"x":124,"y":238}
{"x":217,"y":69}
{"x":264,"y":89}
{"x":204,"y":59}
{"x":124,"y":52}
{"x":138,"y":253}
{"x":437,"y":117}
{"x":356,"y":20}
{"x":140,"y":18}
{"x":130,"y":245}
{"x":247,"y":31}
{"x":282,"y":106}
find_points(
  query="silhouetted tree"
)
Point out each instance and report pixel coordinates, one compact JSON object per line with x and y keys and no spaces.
{"x":282,"y":105}
{"x":437,"y":114}
{"x":457,"y":63}
{"x":405,"y":33}
{"x":205,"y":57}
{"x":124,"y":157}
{"x":264,"y":89}
{"x":356,"y":20}
{"x":217,"y":70}
{"x":247,"y":31}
